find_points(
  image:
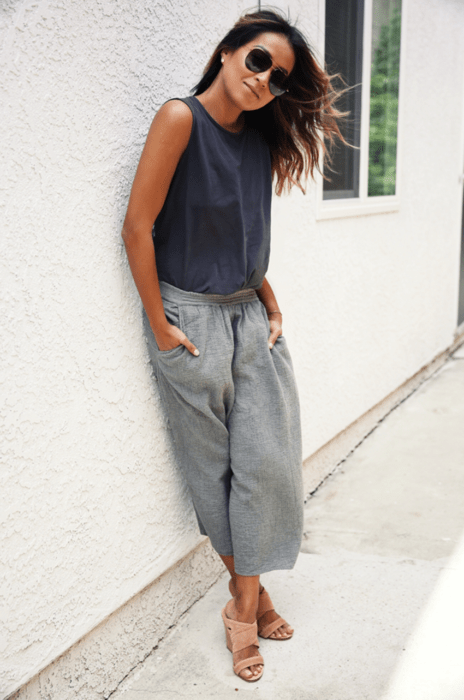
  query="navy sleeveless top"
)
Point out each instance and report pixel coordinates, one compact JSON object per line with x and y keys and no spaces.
{"x":213,"y":233}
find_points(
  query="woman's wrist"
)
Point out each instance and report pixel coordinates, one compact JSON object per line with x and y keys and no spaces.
{"x":160,"y":328}
{"x":275,"y":311}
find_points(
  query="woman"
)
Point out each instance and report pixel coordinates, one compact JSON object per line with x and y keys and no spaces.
{"x":213,"y":324}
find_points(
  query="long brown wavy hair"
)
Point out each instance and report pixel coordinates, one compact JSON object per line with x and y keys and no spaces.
{"x":299,"y":122}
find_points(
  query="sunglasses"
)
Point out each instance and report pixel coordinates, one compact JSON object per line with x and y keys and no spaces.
{"x":259,"y":61}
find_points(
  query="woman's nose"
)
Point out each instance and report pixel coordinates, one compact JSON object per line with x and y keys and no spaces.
{"x":263,"y":78}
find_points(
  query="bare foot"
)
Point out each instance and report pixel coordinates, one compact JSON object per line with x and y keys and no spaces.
{"x":252,"y":671}
{"x":282,"y":632}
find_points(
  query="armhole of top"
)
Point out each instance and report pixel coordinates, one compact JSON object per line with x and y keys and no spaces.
{"x":186,"y":102}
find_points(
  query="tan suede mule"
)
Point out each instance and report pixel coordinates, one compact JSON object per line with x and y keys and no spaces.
{"x":264,"y":606}
{"x":240,"y":635}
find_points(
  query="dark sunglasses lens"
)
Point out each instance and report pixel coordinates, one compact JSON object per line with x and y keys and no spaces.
{"x":258,"y":61}
{"x":277,"y":83}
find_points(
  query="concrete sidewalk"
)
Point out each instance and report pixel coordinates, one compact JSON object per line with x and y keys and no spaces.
{"x":375,"y":599}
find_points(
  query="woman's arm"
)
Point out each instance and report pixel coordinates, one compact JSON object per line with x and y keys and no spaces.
{"x":267,"y":297}
{"x":166,"y":141}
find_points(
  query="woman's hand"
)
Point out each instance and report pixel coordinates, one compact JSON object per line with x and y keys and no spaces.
{"x":171,"y":337}
{"x":275,"y":324}
{"x":267,"y":298}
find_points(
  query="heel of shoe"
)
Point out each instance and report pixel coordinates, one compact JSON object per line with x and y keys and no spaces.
{"x":227,"y":630}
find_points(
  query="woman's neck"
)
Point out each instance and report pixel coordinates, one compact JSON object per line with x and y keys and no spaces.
{"x":222,"y":110}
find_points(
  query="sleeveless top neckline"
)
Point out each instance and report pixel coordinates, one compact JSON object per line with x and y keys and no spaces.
{"x":223,"y":128}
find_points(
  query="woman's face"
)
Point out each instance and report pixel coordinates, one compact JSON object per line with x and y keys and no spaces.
{"x":250,"y":90}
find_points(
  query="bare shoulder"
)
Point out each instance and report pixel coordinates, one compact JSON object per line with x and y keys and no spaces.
{"x":173,"y":121}
{"x":176,"y":110}
{"x":167,"y":139}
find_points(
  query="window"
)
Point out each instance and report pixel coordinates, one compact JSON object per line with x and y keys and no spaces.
{"x":343,"y":53}
{"x":363,"y":42}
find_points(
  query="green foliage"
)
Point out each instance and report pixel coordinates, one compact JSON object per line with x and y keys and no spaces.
{"x":383,"y":130}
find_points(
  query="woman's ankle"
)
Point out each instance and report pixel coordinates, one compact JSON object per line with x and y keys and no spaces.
{"x":245,"y":610}
{"x":233,"y":586}
{"x":246,"y":601}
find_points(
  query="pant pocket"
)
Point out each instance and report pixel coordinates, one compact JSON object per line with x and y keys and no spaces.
{"x":174,"y":317}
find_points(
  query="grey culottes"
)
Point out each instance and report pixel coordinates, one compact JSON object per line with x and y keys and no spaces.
{"x":235,"y":420}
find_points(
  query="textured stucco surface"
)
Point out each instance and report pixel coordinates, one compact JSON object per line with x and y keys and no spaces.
{"x":95,"y":666}
{"x":94,"y":509}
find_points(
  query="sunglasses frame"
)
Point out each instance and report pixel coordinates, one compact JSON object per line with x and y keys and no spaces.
{"x":273,"y":88}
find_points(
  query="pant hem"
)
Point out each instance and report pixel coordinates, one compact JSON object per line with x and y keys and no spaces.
{"x":266,"y":569}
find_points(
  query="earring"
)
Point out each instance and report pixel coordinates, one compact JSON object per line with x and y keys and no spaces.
{"x":222,"y":59}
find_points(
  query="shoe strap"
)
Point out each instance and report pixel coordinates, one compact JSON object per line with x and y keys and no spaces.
{"x":242,"y":634}
{"x":264,"y":603}
{"x":271,"y":627}
{"x":246,"y":663}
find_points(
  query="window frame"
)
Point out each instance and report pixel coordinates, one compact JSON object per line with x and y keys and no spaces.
{"x":364,"y":205}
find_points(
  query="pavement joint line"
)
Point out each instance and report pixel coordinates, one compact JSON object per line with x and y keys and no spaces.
{"x":142,"y":661}
{"x":336,"y":468}
{"x":167,"y":633}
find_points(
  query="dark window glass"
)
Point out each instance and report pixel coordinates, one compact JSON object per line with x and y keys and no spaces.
{"x":344,"y":54}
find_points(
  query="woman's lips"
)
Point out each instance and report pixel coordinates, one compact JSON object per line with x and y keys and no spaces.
{"x":250,"y":88}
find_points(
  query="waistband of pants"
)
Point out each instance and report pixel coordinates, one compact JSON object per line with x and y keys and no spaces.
{"x":180,"y":296}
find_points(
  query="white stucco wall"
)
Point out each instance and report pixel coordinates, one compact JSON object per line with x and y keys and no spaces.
{"x":93,"y":509}
{"x":93,"y":506}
